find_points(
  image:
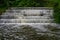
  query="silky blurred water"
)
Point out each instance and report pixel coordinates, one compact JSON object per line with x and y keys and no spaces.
{"x":35,"y":18}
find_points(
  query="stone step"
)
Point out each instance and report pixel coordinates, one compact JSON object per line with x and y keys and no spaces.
{"x":26,"y":20}
{"x":25,"y":23}
{"x":37,"y":17}
{"x":13,"y":25}
{"x":24,"y":17}
{"x":33,"y":24}
{"x":27,"y":14}
{"x":8,"y":17}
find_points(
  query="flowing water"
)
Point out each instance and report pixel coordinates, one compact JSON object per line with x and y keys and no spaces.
{"x":34,"y":17}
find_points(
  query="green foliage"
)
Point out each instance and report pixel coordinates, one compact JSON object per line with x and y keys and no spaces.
{"x":56,"y":5}
{"x":27,"y":3}
{"x":2,"y":10}
{"x":57,"y":17}
{"x":57,"y":13}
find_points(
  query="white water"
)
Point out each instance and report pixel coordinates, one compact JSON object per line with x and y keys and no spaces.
{"x":15,"y":18}
{"x":38,"y":17}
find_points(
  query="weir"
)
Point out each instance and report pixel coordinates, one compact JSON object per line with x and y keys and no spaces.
{"x":32,"y":16}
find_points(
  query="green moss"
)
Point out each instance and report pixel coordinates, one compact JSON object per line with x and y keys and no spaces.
{"x":2,"y":10}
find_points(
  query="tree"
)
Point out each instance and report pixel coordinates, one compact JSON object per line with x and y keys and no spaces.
{"x":56,"y":13}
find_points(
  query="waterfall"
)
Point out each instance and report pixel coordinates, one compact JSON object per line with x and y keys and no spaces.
{"x":38,"y":18}
{"x":27,"y":16}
